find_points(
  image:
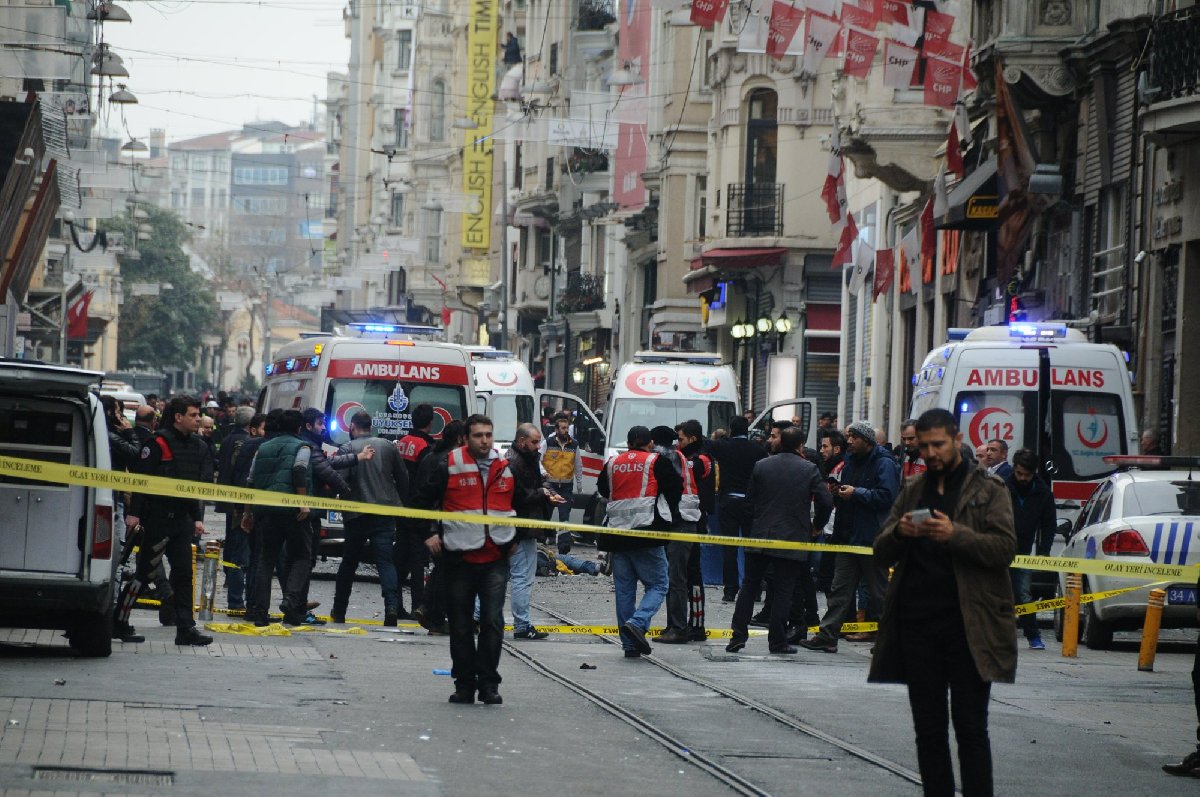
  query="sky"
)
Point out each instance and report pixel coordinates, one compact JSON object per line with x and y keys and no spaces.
{"x":203,"y":66}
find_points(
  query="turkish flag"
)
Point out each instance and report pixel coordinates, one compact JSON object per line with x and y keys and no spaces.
{"x":834,"y":189}
{"x":445,"y":317}
{"x":845,"y":250}
{"x":899,"y":63}
{"x":885,"y":271}
{"x":859,"y":17}
{"x":785,"y":21}
{"x":942,"y":82}
{"x":860,"y":52}
{"x":707,"y":13}
{"x":894,"y":11}
{"x":77,"y":317}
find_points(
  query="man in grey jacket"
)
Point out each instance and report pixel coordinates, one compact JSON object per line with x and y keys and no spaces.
{"x":380,"y":480}
{"x":783,"y":489}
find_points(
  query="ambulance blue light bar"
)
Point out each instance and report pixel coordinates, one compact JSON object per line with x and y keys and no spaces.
{"x":1039,"y":331}
{"x":364,"y":328}
{"x":491,"y":355}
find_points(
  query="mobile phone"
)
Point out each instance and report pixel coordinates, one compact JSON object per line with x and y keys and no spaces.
{"x":919,"y":516}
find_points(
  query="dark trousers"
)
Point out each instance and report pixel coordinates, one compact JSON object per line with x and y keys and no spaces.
{"x":475,"y":663}
{"x":433,"y":599}
{"x":170,"y":537}
{"x":736,"y":518}
{"x":274,"y":530}
{"x":786,"y":572}
{"x":685,"y":593}
{"x":380,"y":533}
{"x":1196,"y":689}
{"x":409,"y":555}
{"x":936,"y":660}
{"x":236,"y":551}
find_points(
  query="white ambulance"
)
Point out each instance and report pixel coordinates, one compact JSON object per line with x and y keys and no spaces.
{"x":1040,"y":386}
{"x":659,"y":388}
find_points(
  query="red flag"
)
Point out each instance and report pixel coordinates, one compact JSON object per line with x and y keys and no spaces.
{"x":954,"y":161}
{"x":969,"y":83}
{"x":894,"y":11}
{"x":822,"y":31}
{"x":707,"y":13}
{"x":928,"y":242}
{"x":937,"y":30}
{"x":942,"y":81}
{"x":860,"y":52}
{"x":899,"y":63}
{"x":845,"y":249}
{"x":859,"y":17}
{"x":785,"y":21}
{"x":77,"y":317}
{"x":445,"y":317}
{"x":834,"y":190}
{"x":885,"y":270}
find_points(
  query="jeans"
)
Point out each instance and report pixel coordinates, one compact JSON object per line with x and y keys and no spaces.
{"x":1021,"y":580}
{"x":736,"y":520}
{"x":576,"y":564}
{"x":410,"y":557}
{"x":475,"y":665}
{"x":522,"y":566}
{"x":566,"y":490}
{"x":236,"y":551}
{"x":649,"y":566}
{"x":273,"y":531}
{"x":849,"y":570}
{"x":936,"y":659}
{"x":784,"y":578}
{"x":380,"y":533}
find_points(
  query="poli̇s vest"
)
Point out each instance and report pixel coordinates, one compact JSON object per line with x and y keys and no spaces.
{"x":689,"y":502}
{"x":466,"y":492}
{"x":633,"y":490}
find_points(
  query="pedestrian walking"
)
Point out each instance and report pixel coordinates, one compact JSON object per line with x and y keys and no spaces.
{"x":784,"y":489}
{"x":634,"y":482}
{"x":533,"y":499}
{"x":283,"y":464}
{"x":947,"y":622}
{"x":478,"y":480}
{"x":735,"y":455}
{"x":1035,"y":521}
{"x":169,"y":524}
{"x":380,"y":479}
{"x":564,"y":472}
{"x":869,"y":483}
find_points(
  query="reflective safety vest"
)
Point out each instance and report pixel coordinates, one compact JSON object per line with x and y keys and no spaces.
{"x":466,"y":492}
{"x":633,"y":490}
{"x":411,"y":446}
{"x":689,"y":502}
{"x":911,"y":467}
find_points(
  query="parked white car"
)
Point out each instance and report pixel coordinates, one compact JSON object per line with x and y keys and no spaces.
{"x":1137,"y":514}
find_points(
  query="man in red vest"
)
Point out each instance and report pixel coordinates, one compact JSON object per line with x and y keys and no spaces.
{"x":474,"y":479}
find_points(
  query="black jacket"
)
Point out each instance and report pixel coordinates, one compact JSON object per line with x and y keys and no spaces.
{"x":670,"y":485}
{"x":191,"y":459}
{"x":229,"y":446}
{"x":705,"y":471}
{"x":736,"y":457}
{"x":123,"y":448}
{"x":326,"y":480}
{"x":529,"y":497}
{"x":1033,"y":516}
{"x":784,"y":488}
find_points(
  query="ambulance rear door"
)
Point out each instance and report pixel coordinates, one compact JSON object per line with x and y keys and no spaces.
{"x":994,"y":394}
{"x":804,"y":409}
{"x":588,"y":431}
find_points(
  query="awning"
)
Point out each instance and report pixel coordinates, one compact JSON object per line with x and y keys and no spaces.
{"x":522,"y":218}
{"x":510,"y":84}
{"x":974,"y":204}
{"x":742,"y":258}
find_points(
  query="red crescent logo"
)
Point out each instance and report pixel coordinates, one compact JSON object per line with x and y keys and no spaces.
{"x":716,"y":383}
{"x":648,"y":382}
{"x":977,"y":421}
{"x":445,"y":416}
{"x":345,"y":412}
{"x":492,"y":378}
{"x":1103,"y":438}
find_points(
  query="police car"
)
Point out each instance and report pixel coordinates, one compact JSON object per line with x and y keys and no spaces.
{"x":1147,"y":512}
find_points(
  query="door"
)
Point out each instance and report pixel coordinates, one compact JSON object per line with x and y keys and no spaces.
{"x":803,"y":410}
{"x":588,"y":431}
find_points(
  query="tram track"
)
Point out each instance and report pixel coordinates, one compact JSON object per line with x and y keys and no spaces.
{"x":679,"y":747}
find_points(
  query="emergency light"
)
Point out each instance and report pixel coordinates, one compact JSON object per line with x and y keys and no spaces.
{"x":1038,"y":331}
{"x":364,"y":328}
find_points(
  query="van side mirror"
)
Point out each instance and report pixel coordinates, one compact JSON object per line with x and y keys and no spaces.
{"x":1064,"y":528}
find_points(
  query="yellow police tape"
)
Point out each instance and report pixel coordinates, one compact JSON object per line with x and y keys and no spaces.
{"x":176,"y":488}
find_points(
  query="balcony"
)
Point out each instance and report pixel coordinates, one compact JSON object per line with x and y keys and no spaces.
{"x":584,"y":293}
{"x":1174,"y":88}
{"x":754,"y":210}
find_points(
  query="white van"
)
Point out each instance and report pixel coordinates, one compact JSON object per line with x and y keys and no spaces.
{"x":1040,"y":386}
{"x":659,"y":388}
{"x":57,"y":549}
{"x":387,"y":370}
{"x":130,"y":399}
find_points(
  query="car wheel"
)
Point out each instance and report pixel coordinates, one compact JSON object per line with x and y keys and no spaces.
{"x":1097,"y":635}
{"x":91,"y":634}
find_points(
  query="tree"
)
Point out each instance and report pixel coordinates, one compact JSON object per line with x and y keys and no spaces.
{"x":165,"y":330}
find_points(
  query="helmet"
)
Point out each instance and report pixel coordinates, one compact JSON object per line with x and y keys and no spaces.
{"x":212,"y":405}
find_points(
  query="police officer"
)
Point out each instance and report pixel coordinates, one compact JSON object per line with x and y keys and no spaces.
{"x":176,"y":451}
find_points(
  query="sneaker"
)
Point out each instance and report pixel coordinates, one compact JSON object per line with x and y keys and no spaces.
{"x":639,"y":638}
{"x":190,"y":636}
{"x":1037,"y":644}
{"x":312,"y":619}
{"x":1189,"y":766}
{"x":819,"y":643}
{"x":528,"y":633}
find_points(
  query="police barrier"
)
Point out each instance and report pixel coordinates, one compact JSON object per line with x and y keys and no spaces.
{"x":173,"y":488}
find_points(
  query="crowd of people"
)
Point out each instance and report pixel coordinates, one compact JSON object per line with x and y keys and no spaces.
{"x":937,"y":514}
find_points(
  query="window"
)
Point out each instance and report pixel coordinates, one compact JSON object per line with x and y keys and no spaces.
{"x":554,"y":58}
{"x":709,"y":64}
{"x":197,"y":197}
{"x":404,"y":50}
{"x":670,"y":412}
{"x":762,"y":136}
{"x":260,"y":175}
{"x":701,"y":206}
{"x":433,"y":235}
{"x":256,"y":205}
{"x":437,"y":111}
{"x":198,"y":163}
{"x":400,"y":122}
{"x":379,"y":397}
{"x":397,"y":214}
{"x":219,"y":201}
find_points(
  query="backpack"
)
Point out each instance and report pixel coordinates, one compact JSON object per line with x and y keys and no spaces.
{"x":546,"y":561}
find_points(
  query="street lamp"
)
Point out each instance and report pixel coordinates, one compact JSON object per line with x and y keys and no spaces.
{"x":783,"y":324}
{"x":577,"y":375}
{"x":763,"y":325}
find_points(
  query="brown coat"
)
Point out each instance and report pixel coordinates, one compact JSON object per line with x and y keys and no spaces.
{"x":982,"y":549}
